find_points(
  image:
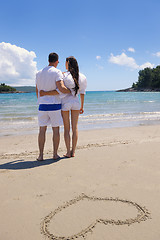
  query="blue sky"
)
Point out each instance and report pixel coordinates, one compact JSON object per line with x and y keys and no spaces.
{"x":112,"y":40}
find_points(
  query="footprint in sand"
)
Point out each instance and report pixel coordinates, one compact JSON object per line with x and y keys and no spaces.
{"x":80,"y":216}
{"x":3,"y":171}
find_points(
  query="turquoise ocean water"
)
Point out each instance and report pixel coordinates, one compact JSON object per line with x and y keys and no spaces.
{"x":18,"y":111}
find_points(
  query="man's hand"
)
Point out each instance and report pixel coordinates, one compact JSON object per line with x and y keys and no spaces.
{"x":81,"y":111}
{"x":42,"y":93}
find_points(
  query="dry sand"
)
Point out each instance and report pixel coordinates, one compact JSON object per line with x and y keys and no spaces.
{"x":112,"y":184}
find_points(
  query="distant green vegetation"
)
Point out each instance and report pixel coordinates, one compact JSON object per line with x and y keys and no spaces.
{"x":26,"y":89}
{"x":149,"y":79}
{"x":6,"y":88}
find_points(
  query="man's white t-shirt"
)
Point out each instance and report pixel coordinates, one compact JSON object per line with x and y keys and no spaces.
{"x":46,"y":80}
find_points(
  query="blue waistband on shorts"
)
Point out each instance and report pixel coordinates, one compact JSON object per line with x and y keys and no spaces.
{"x":49,"y":107}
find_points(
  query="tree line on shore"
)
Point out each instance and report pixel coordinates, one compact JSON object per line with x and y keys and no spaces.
{"x":18,"y":89}
{"x":149,"y":79}
{"x":6,"y":88}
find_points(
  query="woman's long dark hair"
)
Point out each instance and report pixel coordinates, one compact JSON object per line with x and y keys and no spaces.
{"x":74,"y":70}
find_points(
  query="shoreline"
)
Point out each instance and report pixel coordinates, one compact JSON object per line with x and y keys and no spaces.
{"x":15,"y":143}
{"x":14,"y":92}
{"x":122,"y":125}
{"x":138,"y":90}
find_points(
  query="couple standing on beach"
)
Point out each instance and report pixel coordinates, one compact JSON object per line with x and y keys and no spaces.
{"x":57,"y":95}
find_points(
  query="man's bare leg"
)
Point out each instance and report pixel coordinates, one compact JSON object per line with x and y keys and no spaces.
{"x":56,"y":140}
{"x":41,"y":141}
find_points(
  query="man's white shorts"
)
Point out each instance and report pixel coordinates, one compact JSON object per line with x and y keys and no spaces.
{"x":53,"y":118}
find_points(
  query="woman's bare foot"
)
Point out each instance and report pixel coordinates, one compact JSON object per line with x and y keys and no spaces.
{"x":40,"y":158}
{"x":67,"y":155}
{"x":72,"y":154}
{"x":56,"y":156}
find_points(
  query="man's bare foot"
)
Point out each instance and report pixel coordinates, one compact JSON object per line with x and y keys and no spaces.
{"x":40,"y":158}
{"x":56,"y":156}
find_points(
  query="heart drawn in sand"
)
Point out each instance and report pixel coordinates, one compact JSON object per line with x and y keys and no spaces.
{"x":94,"y":210}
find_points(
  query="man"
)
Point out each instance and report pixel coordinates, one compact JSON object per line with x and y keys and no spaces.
{"x":49,"y":106}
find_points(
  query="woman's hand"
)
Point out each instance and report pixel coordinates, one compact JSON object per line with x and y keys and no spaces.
{"x":81,"y":111}
{"x":42,"y":93}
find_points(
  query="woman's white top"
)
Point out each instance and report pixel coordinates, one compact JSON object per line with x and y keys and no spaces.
{"x":69,"y":83}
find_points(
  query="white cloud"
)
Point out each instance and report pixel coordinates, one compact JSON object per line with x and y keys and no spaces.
{"x":157,"y":54}
{"x":123,"y":60}
{"x":131,"y":49}
{"x":146,"y":65}
{"x":98,"y":57}
{"x":130,"y":62}
{"x":17,"y":65}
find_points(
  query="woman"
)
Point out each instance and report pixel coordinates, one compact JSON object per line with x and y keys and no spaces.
{"x":77,"y":83}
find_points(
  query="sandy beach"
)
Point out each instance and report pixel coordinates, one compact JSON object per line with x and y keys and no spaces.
{"x":110,"y":190}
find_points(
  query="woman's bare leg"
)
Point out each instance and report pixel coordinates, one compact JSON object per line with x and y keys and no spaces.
{"x":74,"y":122}
{"x":66,"y":122}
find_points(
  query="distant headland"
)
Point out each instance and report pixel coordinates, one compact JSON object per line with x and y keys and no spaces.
{"x":148,"y":81}
{"x":139,"y":90}
{"x":23,"y":89}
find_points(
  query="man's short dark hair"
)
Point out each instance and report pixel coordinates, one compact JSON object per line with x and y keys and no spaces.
{"x":53,"y":57}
